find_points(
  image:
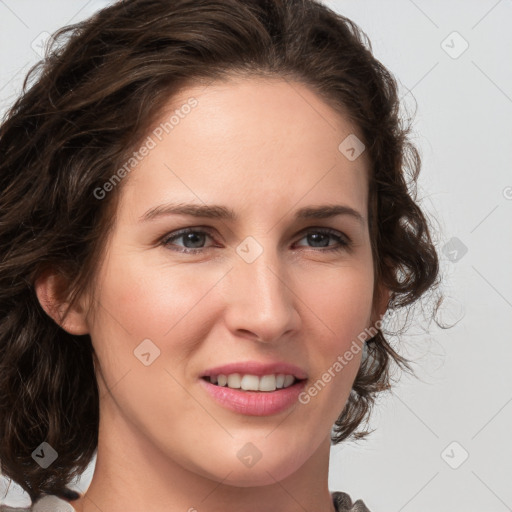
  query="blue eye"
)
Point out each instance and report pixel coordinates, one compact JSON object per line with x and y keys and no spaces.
{"x":193,"y":240}
{"x":322,"y":236}
{"x":194,"y":237}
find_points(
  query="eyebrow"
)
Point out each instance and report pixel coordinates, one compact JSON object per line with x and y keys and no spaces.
{"x":222,"y":212}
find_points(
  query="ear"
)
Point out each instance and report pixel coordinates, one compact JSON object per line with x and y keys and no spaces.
{"x":49,"y":288}
{"x":381,"y":301}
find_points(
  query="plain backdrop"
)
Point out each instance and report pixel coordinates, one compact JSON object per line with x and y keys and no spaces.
{"x":441,"y":442}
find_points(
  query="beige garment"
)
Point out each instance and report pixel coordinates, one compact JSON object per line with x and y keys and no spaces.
{"x":341,"y":501}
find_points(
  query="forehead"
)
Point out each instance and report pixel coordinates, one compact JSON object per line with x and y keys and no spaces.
{"x":256,"y":141}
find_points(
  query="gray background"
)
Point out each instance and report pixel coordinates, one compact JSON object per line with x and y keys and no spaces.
{"x":440,"y":441}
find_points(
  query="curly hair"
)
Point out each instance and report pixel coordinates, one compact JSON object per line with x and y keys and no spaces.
{"x":82,"y":111}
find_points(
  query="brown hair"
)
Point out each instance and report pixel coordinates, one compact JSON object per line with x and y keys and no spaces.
{"x":85,"y":108}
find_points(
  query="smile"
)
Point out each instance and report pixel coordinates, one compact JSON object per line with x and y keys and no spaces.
{"x":251,"y":402}
{"x":248,"y":382}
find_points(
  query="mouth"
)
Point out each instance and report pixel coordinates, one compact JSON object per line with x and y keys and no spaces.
{"x":255,"y":388}
{"x":253,"y":395}
{"x":255,"y":383}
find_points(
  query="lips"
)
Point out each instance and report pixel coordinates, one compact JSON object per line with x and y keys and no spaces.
{"x":269,"y":399}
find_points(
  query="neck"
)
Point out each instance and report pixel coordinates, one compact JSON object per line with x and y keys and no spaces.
{"x":131,"y":473}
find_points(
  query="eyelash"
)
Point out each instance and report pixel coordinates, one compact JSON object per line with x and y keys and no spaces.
{"x":344,"y":242}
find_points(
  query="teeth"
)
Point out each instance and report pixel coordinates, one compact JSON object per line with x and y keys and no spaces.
{"x":288,"y":380}
{"x":250,"y":383}
{"x":253,"y":382}
{"x":234,"y":381}
{"x":268,"y":383}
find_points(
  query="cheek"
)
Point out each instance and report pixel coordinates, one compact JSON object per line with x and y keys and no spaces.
{"x":340,"y":303}
{"x":154,"y":301}
{"x":341,"y":299}
{"x":165,"y":304}
{"x":160,"y":303}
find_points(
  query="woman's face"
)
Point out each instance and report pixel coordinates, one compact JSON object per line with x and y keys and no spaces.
{"x":266,"y":286}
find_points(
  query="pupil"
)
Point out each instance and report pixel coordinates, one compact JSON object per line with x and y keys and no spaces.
{"x":189,"y":237}
{"x":314,"y":238}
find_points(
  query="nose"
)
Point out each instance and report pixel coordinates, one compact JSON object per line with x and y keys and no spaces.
{"x":261,"y":302}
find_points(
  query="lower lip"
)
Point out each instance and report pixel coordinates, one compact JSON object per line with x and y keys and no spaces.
{"x":255,"y":403}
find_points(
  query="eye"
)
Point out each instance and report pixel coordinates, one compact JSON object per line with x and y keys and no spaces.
{"x":321,"y":236}
{"x":194,"y":239}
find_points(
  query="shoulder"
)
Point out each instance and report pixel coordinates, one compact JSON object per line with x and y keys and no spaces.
{"x":343,"y":503}
{"x":46,"y":504}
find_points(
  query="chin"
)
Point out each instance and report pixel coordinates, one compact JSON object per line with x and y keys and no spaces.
{"x":265,"y":471}
{"x":254,"y":477}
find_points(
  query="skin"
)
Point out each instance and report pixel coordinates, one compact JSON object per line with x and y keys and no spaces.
{"x":264,"y":148}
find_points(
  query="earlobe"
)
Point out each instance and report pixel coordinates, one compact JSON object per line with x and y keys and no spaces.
{"x":380,"y":306}
{"x":48,"y":288}
{"x":381,"y":302}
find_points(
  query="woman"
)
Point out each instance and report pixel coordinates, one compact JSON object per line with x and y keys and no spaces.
{"x":205,"y":216}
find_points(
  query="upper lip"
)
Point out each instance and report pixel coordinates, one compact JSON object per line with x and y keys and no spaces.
{"x":256,"y":368}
